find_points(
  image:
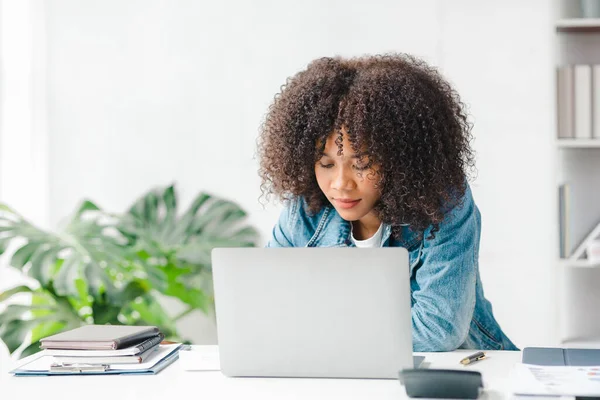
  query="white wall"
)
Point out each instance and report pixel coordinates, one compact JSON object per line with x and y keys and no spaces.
{"x":143,"y":93}
{"x":147,"y":92}
{"x":23,"y":124}
{"x":500,"y":55}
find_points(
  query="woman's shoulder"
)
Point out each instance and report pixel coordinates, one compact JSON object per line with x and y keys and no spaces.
{"x":461,"y":210}
{"x":459,"y":199}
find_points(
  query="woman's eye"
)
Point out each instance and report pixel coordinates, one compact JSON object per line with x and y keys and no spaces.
{"x":362,"y":165}
{"x":325,"y":165}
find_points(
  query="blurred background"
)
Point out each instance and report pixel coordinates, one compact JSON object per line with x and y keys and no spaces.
{"x":106,"y":100}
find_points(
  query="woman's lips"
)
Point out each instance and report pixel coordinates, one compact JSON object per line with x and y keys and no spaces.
{"x":346,"y":203}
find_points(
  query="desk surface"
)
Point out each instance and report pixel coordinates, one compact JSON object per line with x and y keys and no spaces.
{"x":175,"y":383}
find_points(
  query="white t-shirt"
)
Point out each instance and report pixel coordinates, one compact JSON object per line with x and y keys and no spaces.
{"x":373,"y":241}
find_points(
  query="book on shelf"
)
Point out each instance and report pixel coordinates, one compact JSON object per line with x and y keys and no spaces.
{"x":596,"y":101}
{"x":582,"y":80}
{"x":564,"y":106}
{"x":99,"y":337}
{"x":563,"y":220}
{"x":580,"y":251}
{"x":568,"y":248}
{"x":578,"y":101}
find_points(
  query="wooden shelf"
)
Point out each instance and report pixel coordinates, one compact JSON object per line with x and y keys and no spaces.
{"x":578,"y":143}
{"x":578,"y":263}
{"x":578,"y":25}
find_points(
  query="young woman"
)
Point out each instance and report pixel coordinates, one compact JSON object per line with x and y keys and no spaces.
{"x":374,"y":152}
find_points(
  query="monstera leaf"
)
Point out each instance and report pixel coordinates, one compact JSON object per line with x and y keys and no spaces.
{"x":84,"y":274}
{"x":83,"y":250}
{"x":176,"y":249}
{"x":114,"y":268}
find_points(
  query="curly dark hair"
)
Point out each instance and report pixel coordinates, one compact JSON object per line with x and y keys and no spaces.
{"x":398,"y":110}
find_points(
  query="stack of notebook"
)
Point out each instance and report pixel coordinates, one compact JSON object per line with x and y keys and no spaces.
{"x":103,"y":344}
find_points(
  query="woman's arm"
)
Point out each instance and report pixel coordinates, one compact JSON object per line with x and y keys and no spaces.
{"x":281,"y":236}
{"x":443,"y":292}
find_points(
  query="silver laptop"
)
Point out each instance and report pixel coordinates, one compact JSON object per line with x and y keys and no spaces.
{"x":313,"y":312}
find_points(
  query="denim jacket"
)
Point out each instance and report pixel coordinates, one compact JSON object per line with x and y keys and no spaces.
{"x":448,"y":307}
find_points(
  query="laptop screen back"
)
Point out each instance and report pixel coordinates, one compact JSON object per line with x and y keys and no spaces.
{"x":313,"y":312}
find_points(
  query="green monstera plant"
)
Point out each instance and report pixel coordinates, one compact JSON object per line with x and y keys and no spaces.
{"x":105,"y":268}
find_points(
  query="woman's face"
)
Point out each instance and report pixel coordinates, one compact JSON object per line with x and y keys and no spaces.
{"x":348,"y":181}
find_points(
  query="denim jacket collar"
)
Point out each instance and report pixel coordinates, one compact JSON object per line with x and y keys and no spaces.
{"x":339,"y":231}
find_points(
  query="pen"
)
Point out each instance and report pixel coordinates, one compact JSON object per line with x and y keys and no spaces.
{"x":480,"y":355}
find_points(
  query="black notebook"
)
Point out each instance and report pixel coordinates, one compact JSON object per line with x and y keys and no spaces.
{"x":99,"y":337}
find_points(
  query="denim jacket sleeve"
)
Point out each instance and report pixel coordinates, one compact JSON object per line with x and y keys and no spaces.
{"x":281,"y":236}
{"x":443,"y":289}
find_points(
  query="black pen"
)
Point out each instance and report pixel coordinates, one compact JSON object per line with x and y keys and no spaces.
{"x":480,"y":355}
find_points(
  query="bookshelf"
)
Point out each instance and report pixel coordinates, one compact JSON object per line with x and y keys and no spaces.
{"x":578,"y":264}
{"x":578,"y":143}
{"x":578,"y":25}
{"x":578,"y":169}
{"x":583,"y":343}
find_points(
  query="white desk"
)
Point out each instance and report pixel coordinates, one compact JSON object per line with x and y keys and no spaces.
{"x":173,"y":383}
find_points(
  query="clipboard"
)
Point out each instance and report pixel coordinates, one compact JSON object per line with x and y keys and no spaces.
{"x":42,"y":365}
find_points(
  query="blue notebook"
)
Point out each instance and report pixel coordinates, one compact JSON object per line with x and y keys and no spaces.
{"x":550,"y":356}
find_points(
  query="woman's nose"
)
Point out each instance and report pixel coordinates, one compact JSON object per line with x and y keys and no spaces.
{"x":343,"y":180}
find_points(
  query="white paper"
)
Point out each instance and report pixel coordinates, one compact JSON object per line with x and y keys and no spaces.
{"x":541,"y":397}
{"x":43,"y":363}
{"x":158,"y":355}
{"x":568,"y":381}
{"x":196,"y":360}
